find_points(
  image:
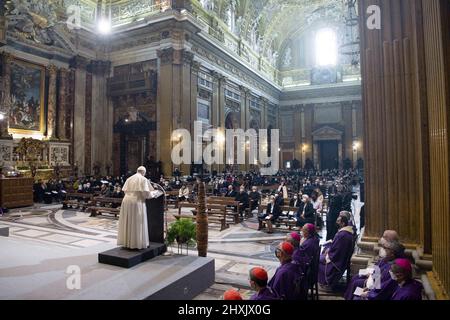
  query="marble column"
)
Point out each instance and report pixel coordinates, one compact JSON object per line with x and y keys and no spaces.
{"x":64,"y":93}
{"x":316,"y":155}
{"x":435,"y":224}
{"x":222,"y":82}
{"x":222,"y":101}
{"x":354,"y":136}
{"x":79,"y":132}
{"x":6,"y":94}
{"x":297,"y":133}
{"x":303,"y":135}
{"x":405,"y":67}
{"x":174,"y":95}
{"x":215,"y":110}
{"x":245,"y":107}
{"x":347,"y":139}
{"x":3,"y":24}
{"x":264,"y":105}
{"x":101,"y":136}
{"x":51,"y":115}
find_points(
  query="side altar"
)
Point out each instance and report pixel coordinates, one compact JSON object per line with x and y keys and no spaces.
{"x":36,"y":159}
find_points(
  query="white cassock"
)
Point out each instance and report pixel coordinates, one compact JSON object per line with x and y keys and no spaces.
{"x":133,"y":228}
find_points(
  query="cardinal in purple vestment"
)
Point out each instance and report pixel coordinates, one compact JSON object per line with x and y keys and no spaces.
{"x":408,"y":288}
{"x":258,"y":282}
{"x":309,"y":247}
{"x":287,"y":280}
{"x":388,"y":253}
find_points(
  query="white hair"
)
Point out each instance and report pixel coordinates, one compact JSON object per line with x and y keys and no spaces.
{"x":142,"y":170}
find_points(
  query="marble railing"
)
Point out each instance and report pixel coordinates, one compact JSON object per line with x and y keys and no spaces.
{"x":299,"y":77}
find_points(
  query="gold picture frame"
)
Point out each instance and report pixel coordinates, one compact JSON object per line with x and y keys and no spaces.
{"x":27,"y":95}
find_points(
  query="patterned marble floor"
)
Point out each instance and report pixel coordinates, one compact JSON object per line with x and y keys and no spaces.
{"x":235,"y":250}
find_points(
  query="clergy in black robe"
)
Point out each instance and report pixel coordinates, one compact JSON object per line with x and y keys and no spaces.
{"x":305,"y":213}
{"x":243,"y":199}
{"x":255,"y":198}
{"x":333,"y":214}
{"x":38,"y":192}
{"x":336,"y":257}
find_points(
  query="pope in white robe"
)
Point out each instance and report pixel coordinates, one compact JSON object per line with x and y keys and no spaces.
{"x":133,"y":228}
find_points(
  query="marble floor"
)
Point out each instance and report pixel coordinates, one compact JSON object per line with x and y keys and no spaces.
{"x":235,"y":250}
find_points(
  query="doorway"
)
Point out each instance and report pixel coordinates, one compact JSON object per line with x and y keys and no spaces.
{"x":133,"y":151}
{"x":329,"y":154}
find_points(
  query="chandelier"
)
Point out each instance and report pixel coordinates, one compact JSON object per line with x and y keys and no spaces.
{"x":351,"y":43}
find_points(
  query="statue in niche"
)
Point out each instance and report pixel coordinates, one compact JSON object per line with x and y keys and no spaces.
{"x":253,"y":37}
{"x":231,"y":16}
{"x":287,"y":58}
{"x":207,"y":4}
{"x":204,"y":3}
{"x":238,"y":27}
{"x":132,"y":114}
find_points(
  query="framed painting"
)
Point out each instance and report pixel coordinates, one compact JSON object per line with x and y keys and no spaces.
{"x":27,"y":98}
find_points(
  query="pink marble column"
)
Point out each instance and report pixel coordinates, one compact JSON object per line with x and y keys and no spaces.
{"x":6,"y":90}
{"x":51,"y":118}
{"x":63,"y":101}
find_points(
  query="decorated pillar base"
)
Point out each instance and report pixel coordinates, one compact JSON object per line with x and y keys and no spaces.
{"x":6,"y":151}
{"x":59,"y":153}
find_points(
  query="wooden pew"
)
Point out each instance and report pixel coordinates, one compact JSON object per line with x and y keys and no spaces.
{"x":216,"y":214}
{"x":285,"y":219}
{"x":172,"y":198}
{"x":79,"y":200}
{"x":99,"y":205}
{"x":229,"y":204}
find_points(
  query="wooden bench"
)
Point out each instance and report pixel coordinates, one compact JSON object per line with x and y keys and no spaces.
{"x":99,"y":205}
{"x":248,"y":212}
{"x":172,"y":198}
{"x":216,"y":214}
{"x":284,"y":219}
{"x":229,"y":204}
{"x":70,"y":204}
{"x":81,"y":200}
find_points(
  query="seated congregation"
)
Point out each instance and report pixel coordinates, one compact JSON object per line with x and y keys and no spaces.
{"x":303,"y":264}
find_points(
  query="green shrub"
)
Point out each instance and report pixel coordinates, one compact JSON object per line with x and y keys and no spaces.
{"x":182,"y":231}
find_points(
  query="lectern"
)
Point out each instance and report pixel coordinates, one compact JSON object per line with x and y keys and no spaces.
{"x":155,"y":219}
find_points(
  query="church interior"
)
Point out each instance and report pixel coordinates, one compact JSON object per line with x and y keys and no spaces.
{"x":348,"y":99}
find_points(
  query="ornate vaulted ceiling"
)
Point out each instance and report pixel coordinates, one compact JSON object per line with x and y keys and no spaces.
{"x":266,"y":25}
{"x":274,"y":21}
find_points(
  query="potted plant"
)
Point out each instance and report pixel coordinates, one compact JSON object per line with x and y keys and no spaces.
{"x":182,"y":231}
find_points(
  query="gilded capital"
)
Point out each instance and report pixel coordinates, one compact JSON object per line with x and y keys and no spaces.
{"x":79,"y":62}
{"x":52,"y":70}
{"x":7,"y":57}
{"x":166,"y":55}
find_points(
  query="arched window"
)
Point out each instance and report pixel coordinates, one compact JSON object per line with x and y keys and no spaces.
{"x":326,"y":47}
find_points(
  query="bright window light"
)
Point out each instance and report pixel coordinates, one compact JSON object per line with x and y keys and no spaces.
{"x":326,"y":47}
{"x":104,"y":26}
